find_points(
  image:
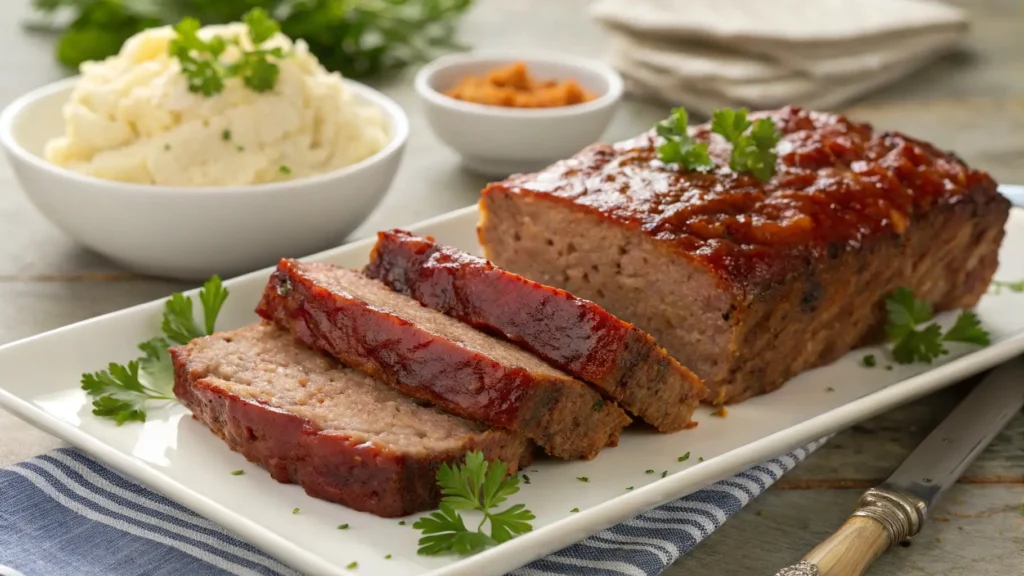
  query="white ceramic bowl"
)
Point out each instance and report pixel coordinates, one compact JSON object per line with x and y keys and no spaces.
{"x":192,"y":233}
{"x":497,"y":141}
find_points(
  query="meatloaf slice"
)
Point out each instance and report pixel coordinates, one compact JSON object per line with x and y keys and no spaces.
{"x":430,"y":356}
{"x":570,"y":333}
{"x":337,"y":432}
{"x":749,"y":283}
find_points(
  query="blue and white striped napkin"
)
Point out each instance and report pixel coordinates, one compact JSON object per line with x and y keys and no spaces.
{"x":64,"y":513}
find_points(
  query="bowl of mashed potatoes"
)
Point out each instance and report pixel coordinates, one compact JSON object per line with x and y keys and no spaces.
{"x":182,"y":167}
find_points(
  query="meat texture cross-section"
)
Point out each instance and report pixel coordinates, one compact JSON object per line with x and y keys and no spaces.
{"x":748,"y":283}
{"x":340,"y":434}
{"x":570,"y":333}
{"x":435,"y":358}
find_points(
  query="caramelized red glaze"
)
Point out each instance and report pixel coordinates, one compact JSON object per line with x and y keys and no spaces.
{"x":392,"y":349}
{"x":363,"y":475}
{"x":836,"y":184}
{"x":425,"y":364}
{"x":570,"y":333}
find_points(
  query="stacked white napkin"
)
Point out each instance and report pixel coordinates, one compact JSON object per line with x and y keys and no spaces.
{"x":708,"y":54}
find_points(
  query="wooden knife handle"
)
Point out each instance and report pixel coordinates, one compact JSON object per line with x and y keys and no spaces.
{"x":852,"y":549}
{"x":885,"y":517}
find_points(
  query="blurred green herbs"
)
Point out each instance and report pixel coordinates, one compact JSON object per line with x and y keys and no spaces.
{"x":359,"y":38}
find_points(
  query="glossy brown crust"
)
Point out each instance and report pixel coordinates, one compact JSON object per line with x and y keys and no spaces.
{"x":570,"y":333}
{"x":766,"y":280}
{"x":562,"y":415}
{"x":837,"y":185}
{"x":361,"y":475}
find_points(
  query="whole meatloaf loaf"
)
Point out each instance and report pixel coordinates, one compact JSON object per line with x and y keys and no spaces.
{"x":749,"y":283}
{"x":570,"y":333}
{"x":430,"y":356}
{"x":337,"y":432}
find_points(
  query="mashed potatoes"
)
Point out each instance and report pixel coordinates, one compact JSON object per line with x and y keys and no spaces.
{"x":132,"y":118}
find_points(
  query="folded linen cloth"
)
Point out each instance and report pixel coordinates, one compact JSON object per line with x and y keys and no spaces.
{"x":706,"y":96}
{"x":766,"y":53}
{"x":64,"y":513}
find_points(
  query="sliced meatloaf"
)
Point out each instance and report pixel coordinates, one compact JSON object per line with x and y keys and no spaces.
{"x":430,"y":356}
{"x":337,"y":432}
{"x":575,"y":335}
{"x":749,"y":283}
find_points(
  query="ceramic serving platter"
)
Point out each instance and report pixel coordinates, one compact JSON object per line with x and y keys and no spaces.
{"x":174,"y":455}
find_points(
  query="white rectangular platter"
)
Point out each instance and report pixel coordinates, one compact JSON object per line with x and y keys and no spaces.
{"x":171,"y":453}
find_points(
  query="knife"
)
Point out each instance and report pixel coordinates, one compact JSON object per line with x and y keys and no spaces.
{"x":894,"y":511}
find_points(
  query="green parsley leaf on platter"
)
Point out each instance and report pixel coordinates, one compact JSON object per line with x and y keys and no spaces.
{"x":478,"y":486}
{"x":122,"y":392}
{"x":911,"y":344}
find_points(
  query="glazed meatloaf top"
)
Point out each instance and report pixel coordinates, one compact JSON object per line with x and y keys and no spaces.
{"x":837,"y":183}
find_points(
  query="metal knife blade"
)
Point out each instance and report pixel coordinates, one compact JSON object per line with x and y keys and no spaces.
{"x":941,"y":459}
{"x":895,"y":510}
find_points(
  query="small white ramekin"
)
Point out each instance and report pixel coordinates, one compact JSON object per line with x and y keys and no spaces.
{"x":497,"y":141}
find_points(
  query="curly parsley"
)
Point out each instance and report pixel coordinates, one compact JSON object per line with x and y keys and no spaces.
{"x":122,"y":392}
{"x":910,"y":344}
{"x":478,"y":486}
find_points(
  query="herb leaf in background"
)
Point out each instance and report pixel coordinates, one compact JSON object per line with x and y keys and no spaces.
{"x":359,"y":38}
{"x":121,"y":392}
{"x":93,"y":29}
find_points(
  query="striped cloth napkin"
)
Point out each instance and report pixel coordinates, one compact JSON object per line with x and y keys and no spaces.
{"x":64,"y":513}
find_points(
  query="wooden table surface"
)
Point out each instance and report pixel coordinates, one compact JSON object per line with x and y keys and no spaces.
{"x":971,"y":102}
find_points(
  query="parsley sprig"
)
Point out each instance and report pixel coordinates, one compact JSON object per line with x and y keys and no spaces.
{"x":678,"y":147}
{"x":910,"y":344}
{"x":122,"y":391}
{"x":201,"y":59}
{"x":478,"y":486}
{"x":753,"y":143}
{"x":752,"y":152}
